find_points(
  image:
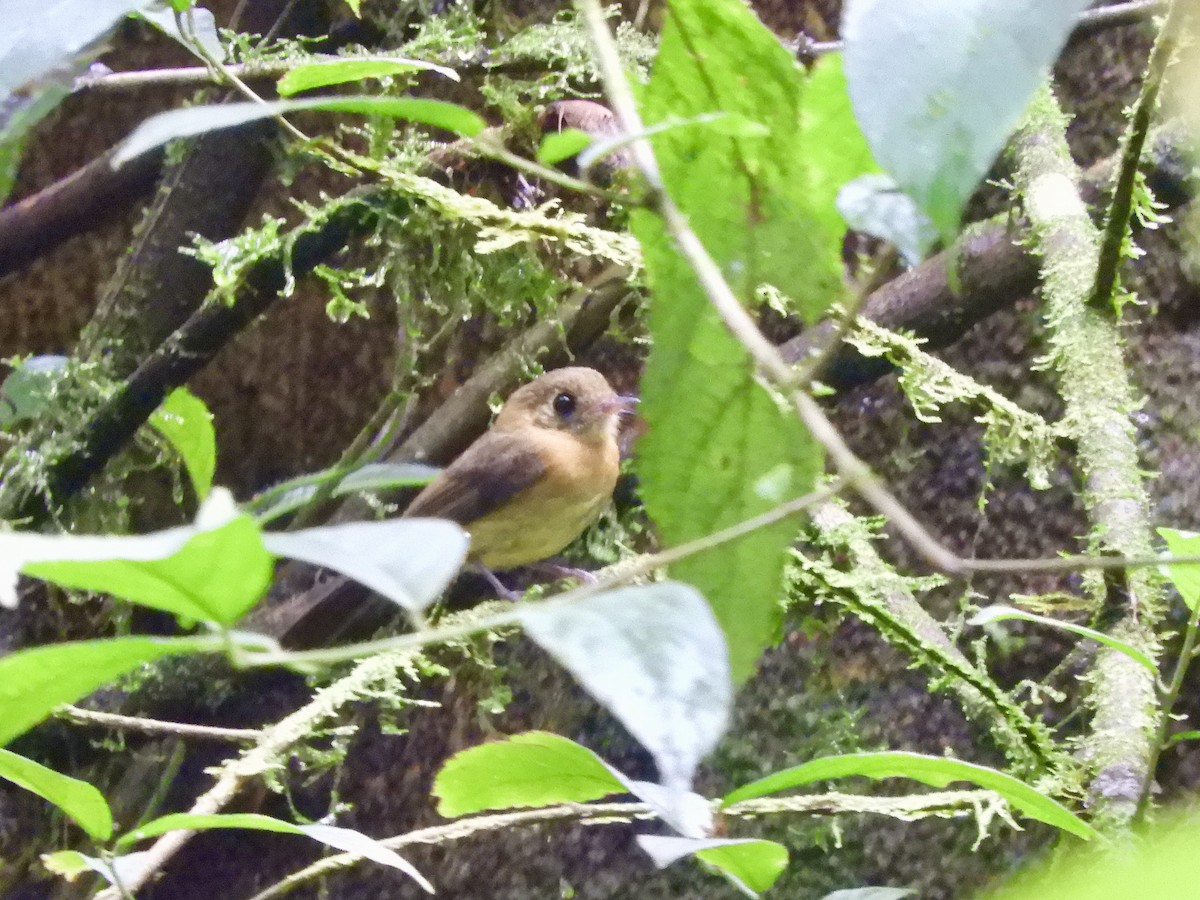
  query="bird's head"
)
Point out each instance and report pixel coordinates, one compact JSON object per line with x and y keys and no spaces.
{"x":577,"y":400}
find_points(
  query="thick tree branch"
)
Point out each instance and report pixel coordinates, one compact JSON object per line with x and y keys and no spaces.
{"x":88,"y":197}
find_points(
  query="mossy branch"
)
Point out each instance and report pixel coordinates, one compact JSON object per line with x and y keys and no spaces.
{"x":982,"y":805}
{"x":1085,"y":350}
{"x":875,"y":592}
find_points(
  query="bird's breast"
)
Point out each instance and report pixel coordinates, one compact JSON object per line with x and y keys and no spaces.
{"x":544,"y":518}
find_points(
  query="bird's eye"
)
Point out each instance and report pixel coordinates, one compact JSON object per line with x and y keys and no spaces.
{"x":564,"y":405}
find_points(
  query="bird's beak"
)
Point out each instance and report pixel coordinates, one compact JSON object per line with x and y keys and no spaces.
{"x":621,"y":404}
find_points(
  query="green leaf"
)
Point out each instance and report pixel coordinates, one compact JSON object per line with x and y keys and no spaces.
{"x":186,"y":423}
{"x":115,"y":870}
{"x":716,"y":431}
{"x":16,"y":125}
{"x":39,"y":680}
{"x":526,"y":770}
{"x":1000,"y":613}
{"x":1186,"y":576}
{"x":752,"y":865}
{"x":78,"y":799}
{"x":875,"y":205}
{"x":343,"y":70}
{"x":29,"y":388}
{"x":938,"y":88}
{"x":678,"y":711}
{"x":38,"y":37}
{"x":345,"y":839}
{"x":409,"y":561}
{"x":295,"y":493}
{"x":835,"y":150}
{"x":562,"y":145}
{"x":179,"y":123}
{"x":756,"y":864}
{"x":1159,"y":862}
{"x":216,"y":576}
{"x":937,"y":771}
{"x":205,"y":33}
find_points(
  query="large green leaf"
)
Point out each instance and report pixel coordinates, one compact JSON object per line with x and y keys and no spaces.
{"x":938,"y":86}
{"x":721,"y":448}
{"x":216,"y":576}
{"x":33,"y":683}
{"x":663,"y":672}
{"x":76,"y":798}
{"x":526,"y":770}
{"x":937,"y":771}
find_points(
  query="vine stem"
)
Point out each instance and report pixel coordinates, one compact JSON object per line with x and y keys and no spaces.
{"x":1116,"y":225}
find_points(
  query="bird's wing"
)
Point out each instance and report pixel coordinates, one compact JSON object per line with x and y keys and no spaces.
{"x":491,"y":472}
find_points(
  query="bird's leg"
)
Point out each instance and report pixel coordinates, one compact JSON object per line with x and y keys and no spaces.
{"x":497,"y":585}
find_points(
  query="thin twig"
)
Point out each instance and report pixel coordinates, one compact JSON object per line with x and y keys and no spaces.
{"x":157,"y":726}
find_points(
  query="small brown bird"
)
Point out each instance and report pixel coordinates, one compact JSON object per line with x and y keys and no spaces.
{"x":539,"y":476}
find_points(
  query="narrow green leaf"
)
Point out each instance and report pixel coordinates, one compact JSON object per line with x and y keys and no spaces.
{"x":78,"y":799}
{"x":526,"y":770}
{"x":345,"y":839}
{"x":34,"y":682}
{"x":179,"y":123}
{"x":937,"y":771}
{"x":199,"y":822}
{"x":1000,"y":613}
{"x":326,"y":72}
{"x":293,"y":494}
{"x":716,"y":431}
{"x":186,"y":423}
{"x":1185,"y":577}
{"x":560,"y":145}
{"x":216,"y":576}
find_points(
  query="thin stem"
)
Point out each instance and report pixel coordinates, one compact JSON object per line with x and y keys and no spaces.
{"x":1116,"y":226}
{"x":493,"y":149}
{"x":219,"y":66}
{"x":157,"y":726}
{"x":1170,"y":695}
